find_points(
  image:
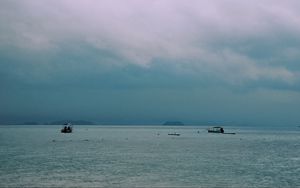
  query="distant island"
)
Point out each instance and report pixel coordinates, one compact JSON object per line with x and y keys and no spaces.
{"x":173,"y":123}
{"x":30,"y":123}
{"x":74,"y":122}
{"x":61,"y":122}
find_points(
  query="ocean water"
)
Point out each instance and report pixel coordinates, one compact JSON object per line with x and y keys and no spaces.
{"x":146,"y":156}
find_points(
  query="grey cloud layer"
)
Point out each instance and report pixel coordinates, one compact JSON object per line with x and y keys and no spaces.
{"x":233,"y":61}
{"x":221,"y":38}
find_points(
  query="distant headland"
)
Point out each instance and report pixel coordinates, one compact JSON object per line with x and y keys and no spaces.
{"x":173,"y":123}
{"x":61,"y":122}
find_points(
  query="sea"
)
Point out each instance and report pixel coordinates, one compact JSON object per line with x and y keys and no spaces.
{"x":146,"y":156}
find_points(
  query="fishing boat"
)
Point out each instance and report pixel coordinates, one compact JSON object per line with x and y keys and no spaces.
{"x":68,"y":128}
{"x":215,"y":130}
{"x":174,"y":134}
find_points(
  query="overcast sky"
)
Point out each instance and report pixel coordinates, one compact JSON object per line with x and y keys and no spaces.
{"x":233,"y":62}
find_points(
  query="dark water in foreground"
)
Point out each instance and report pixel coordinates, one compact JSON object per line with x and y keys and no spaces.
{"x":99,"y":156}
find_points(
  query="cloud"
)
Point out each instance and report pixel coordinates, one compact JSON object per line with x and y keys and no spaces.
{"x":120,"y":61}
{"x":221,"y":38}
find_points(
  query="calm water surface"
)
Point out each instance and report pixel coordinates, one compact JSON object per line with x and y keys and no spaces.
{"x":131,"y":156}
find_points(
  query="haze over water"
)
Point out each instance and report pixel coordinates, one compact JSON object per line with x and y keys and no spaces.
{"x":146,"y":156}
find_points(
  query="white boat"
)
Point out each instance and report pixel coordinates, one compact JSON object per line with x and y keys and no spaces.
{"x":215,"y":130}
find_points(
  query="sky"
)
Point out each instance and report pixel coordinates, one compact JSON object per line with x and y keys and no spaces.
{"x":225,"y":62}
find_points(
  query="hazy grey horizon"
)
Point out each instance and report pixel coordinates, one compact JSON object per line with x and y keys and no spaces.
{"x":136,"y":61}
